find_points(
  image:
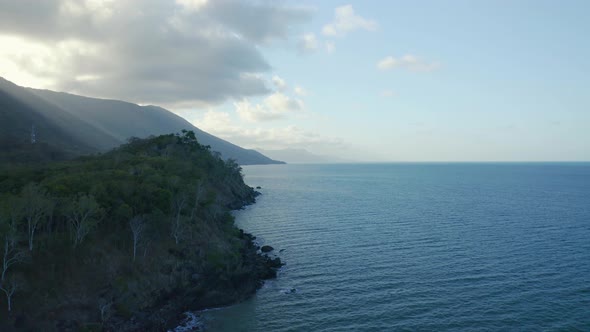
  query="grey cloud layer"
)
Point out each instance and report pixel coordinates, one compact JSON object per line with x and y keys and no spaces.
{"x":152,"y":51}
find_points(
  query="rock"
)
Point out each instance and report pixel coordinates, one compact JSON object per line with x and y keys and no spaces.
{"x":274,"y":263}
{"x":282,"y":250}
{"x":259,"y":187}
{"x":267,"y":249}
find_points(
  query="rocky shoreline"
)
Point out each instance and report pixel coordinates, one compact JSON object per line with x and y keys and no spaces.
{"x":169,"y":311}
{"x":158,"y":238}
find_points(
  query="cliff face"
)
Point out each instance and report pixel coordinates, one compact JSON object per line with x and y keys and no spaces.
{"x":128,"y":240}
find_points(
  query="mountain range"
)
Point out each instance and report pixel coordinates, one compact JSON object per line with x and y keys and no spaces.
{"x":301,"y":156}
{"x":67,"y":125}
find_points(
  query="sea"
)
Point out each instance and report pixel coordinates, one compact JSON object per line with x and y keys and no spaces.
{"x":419,"y":247}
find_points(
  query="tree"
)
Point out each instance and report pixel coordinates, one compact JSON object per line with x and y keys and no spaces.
{"x":9,"y":217}
{"x":187,"y":137}
{"x":104,"y":306}
{"x":199,"y":192}
{"x":178,"y":203}
{"x":9,"y":287}
{"x":37,"y":206}
{"x":137,"y":224}
{"x":233,"y":166}
{"x":12,"y":255}
{"x":84,"y":214}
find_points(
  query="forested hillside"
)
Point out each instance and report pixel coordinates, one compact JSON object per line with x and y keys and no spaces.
{"x":61,"y":135}
{"x":69,"y":125}
{"x":124,"y":241}
{"x":122,"y":120}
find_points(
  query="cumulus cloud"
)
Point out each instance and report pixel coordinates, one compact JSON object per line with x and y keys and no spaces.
{"x":308,"y":42}
{"x":221,"y":125}
{"x":219,"y":122}
{"x":407,"y":61}
{"x":147,"y":51}
{"x":345,"y":21}
{"x":276,"y":106}
{"x":279,"y":83}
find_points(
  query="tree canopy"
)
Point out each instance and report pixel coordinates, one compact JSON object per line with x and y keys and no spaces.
{"x":123,"y":230}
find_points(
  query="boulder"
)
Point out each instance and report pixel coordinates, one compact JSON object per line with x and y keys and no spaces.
{"x":267,"y":249}
{"x":274,"y":263}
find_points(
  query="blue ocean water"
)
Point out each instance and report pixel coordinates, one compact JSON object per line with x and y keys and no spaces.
{"x":420,"y":247}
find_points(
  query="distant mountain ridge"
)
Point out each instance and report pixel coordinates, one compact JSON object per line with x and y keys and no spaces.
{"x":301,"y":156}
{"x":80,"y":125}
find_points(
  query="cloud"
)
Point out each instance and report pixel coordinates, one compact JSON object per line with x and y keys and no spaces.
{"x":279,"y":83}
{"x":192,"y":5}
{"x":308,"y":42}
{"x":273,"y":107}
{"x":345,"y":21}
{"x":146,"y":51}
{"x":300,"y":91}
{"x":213,"y":121}
{"x":407,"y":61}
{"x":221,"y":125}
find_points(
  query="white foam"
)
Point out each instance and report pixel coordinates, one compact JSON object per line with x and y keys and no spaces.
{"x":191,"y":323}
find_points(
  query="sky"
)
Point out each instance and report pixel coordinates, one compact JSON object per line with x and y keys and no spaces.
{"x":455,"y":80}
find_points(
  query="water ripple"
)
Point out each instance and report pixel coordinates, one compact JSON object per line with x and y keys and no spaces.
{"x":423,"y":247}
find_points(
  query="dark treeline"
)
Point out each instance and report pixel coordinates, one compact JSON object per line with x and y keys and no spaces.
{"x":125,"y":240}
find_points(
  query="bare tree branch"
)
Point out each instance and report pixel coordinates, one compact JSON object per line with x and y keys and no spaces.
{"x":137,"y":224}
{"x":84,"y":214}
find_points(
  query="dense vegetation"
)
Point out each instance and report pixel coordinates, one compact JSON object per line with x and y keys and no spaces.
{"x":126,"y":240}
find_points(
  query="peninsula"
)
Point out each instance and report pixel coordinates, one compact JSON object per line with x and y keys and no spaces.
{"x":127,"y":240}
